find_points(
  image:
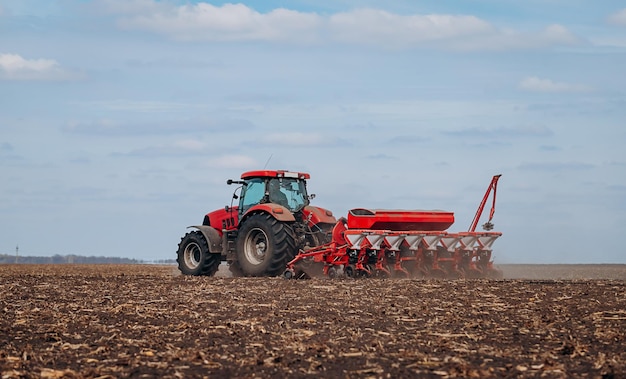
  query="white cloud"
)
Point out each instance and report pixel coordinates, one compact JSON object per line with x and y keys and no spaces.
{"x":238,"y":22}
{"x":232,"y":161}
{"x":507,"y":39}
{"x":373,"y":26}
{"x":536,"y":84}
{"x":558,"y":34}
{"x":230,"y":22}
{"x":15,"y":67}
{"x":15,"y":63}
{"x":618,"y":18}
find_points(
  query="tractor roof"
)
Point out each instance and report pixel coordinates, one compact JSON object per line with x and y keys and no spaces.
{"x":275,"y":174}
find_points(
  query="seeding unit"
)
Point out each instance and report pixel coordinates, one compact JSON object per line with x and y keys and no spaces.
{"x":402,"y":242}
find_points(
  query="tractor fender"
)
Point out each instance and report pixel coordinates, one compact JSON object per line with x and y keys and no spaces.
{"x":319,"y":215}
{"x":212,"y":235}
{"x":277,"y":211}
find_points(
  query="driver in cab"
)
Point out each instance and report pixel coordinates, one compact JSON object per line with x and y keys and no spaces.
{"x":276,"y":195}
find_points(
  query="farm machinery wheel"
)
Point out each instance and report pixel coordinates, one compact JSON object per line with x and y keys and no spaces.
{"x":194,"y":257}
{"x":264,"y":246}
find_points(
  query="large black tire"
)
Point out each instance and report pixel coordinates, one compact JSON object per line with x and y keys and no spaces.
{"x":264,"y":246}
{"x":194,"y":257}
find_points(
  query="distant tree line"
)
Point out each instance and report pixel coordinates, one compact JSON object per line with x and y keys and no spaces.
{"x":66,"y":259}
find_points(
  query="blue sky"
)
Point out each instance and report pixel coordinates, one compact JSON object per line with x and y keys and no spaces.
{"x":120,"y":120}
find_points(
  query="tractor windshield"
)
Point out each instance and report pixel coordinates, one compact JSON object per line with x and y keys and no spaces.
{"x":252,"y":194}
{"x":288,"y":192}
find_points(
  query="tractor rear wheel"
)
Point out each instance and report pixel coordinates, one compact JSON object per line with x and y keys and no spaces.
{"x":264,"y":246}
{"x":194,"y":257}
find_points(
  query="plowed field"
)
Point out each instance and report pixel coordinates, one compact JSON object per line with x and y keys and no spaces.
{"x":78,"y":321}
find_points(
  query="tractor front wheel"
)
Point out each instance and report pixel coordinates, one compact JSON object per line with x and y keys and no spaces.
{"x":264,"y":246}
{"x":194,"y":257}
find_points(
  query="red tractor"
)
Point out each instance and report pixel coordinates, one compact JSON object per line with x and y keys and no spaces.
{"x":271,"y":224}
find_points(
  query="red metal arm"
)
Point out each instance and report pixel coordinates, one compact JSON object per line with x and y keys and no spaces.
{"x":492,"y":186}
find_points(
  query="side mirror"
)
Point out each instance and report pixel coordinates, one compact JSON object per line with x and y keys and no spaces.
{"x":312,"y":196}
{"x":230,"y":181}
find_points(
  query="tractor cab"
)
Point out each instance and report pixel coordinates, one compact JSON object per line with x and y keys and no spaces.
{"x":277,"y":187}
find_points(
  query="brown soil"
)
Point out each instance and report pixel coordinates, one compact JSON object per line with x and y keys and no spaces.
{"x":564,"y":272}
{"x":147,"y":321}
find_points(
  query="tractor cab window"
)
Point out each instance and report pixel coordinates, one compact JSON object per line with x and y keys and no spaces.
{"x":251,"y":194}
{"x":288,"y":192}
